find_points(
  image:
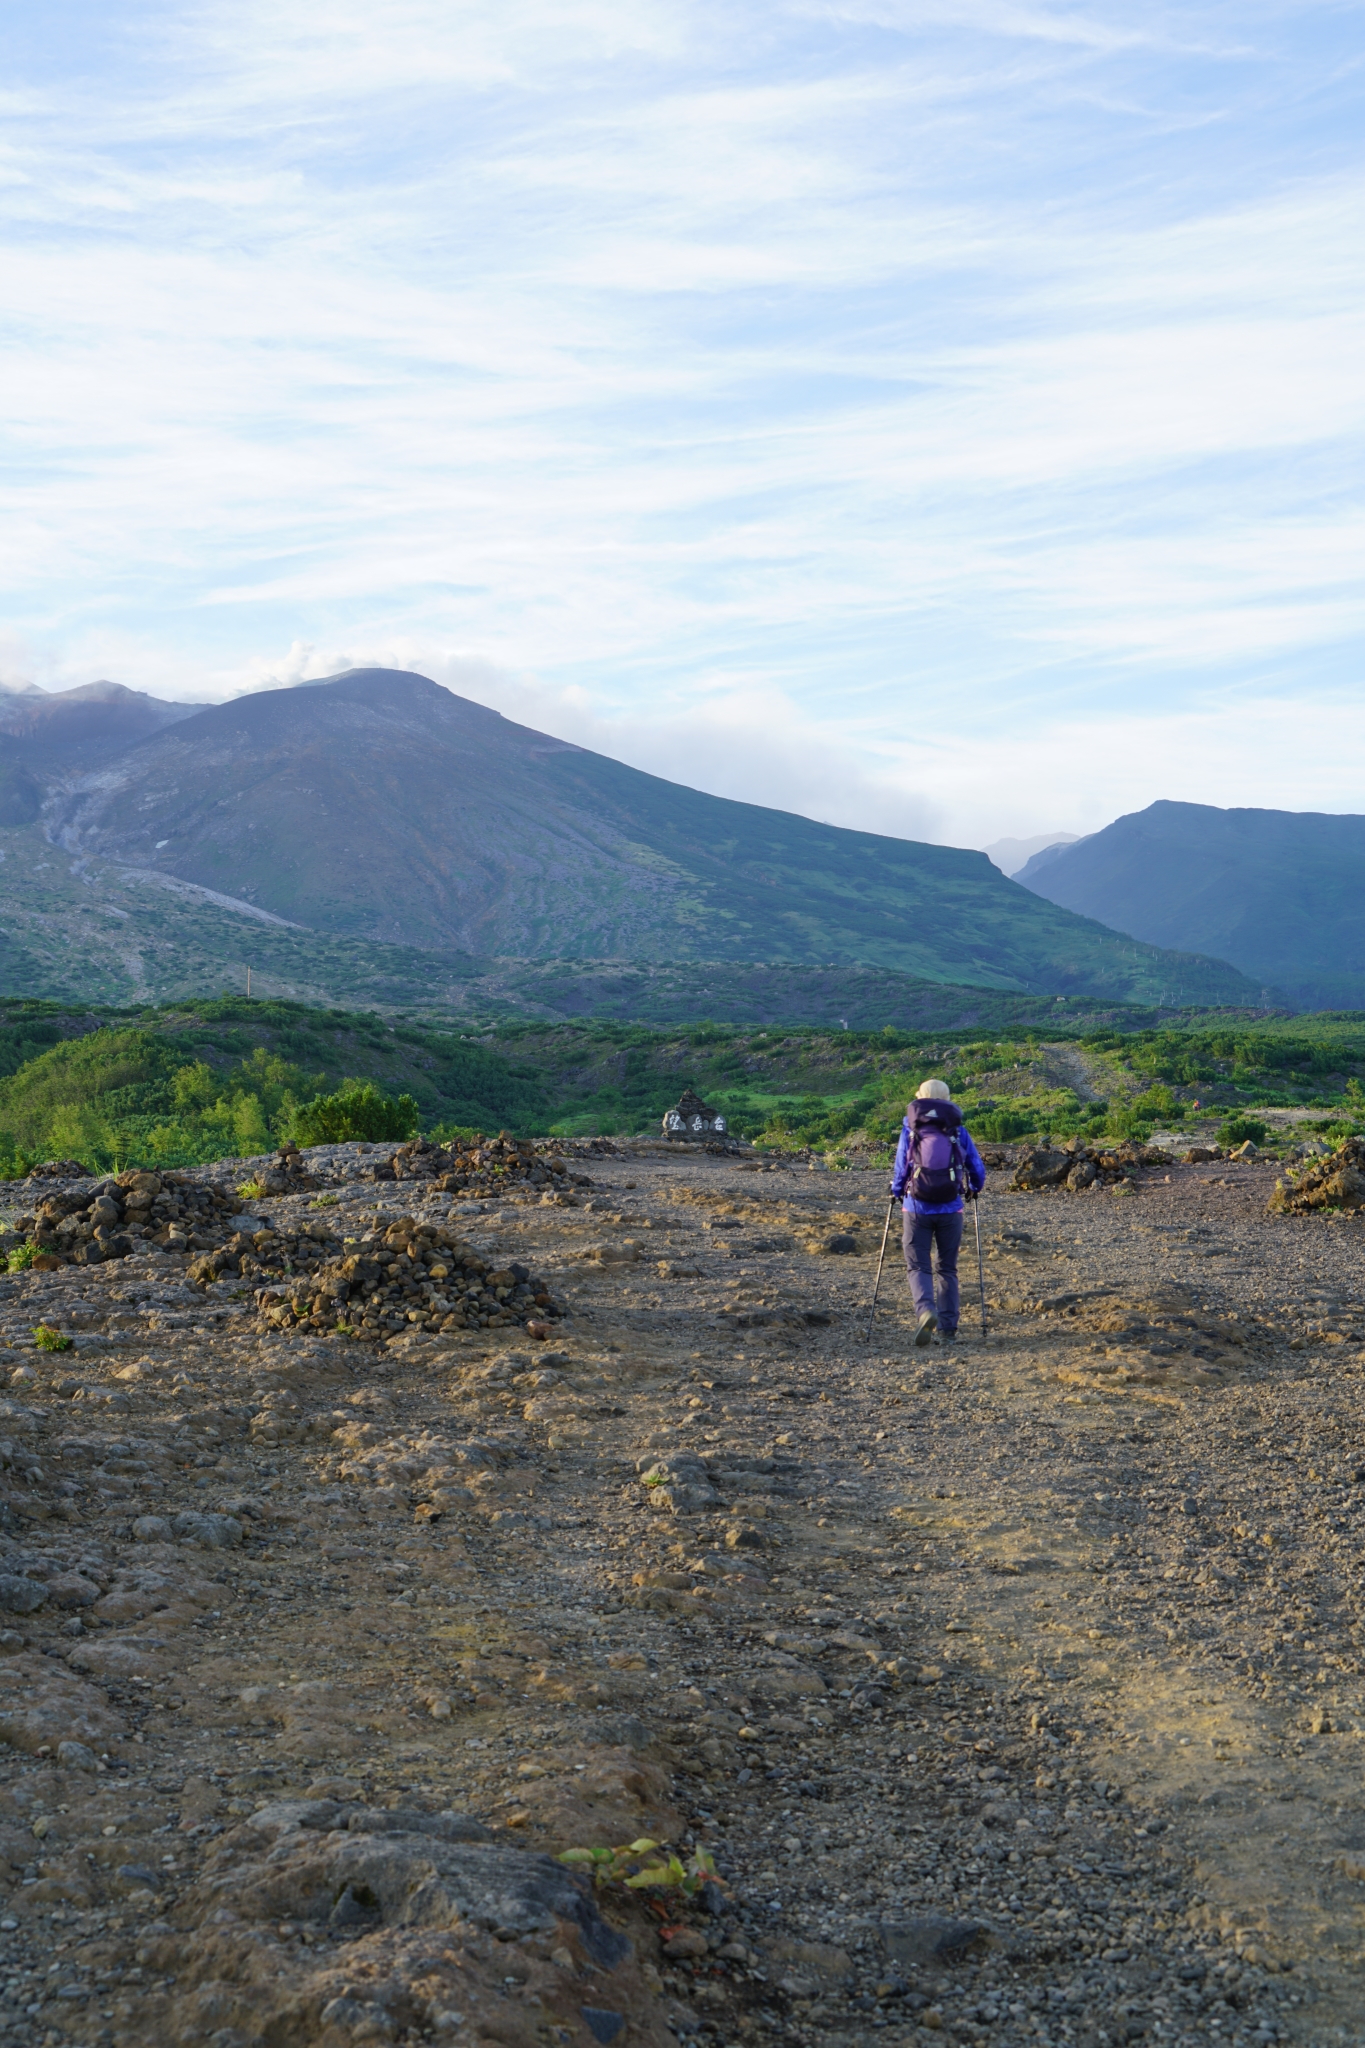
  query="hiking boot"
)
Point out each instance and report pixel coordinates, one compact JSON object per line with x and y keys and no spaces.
{"x":925,"y":1329}
{"x":947,"y":1336}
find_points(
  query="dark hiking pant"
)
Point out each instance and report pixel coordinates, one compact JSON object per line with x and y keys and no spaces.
{"x":920,"y":1235}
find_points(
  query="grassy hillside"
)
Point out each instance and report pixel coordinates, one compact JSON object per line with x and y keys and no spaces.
{"x":83,"y":930}
{"x":222,"y":1079}
{"x":379,"y":808}
{"x":79,"y":929}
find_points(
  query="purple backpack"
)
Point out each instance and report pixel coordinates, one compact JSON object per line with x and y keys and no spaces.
{"x":935,"y":1177}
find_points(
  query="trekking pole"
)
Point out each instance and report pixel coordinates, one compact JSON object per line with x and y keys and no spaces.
{"x":886,"y":1232}
{"x":980,"y":1262}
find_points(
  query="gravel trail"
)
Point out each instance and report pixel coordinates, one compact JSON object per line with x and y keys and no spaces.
{"x":1015,"y":1686}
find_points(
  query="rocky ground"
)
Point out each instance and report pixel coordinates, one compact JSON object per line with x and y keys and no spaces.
{"x":1016,"y":1688}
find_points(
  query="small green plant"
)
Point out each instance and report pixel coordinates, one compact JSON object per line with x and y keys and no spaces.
{"x":22,"y":1257}
{"x":48,"y":1339}
{"x":647,"y":1866}
{"x":324,"y":1202}
{"x":1239,"y":1129}
{"x":252,"y":1189}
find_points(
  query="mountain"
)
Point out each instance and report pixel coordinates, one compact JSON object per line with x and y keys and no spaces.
{"x":46,"y":730}
{"x":1281,"y":894}
{"x":378,"y":806}
{"x":1009,"y":855}
{"x":78,"y":931}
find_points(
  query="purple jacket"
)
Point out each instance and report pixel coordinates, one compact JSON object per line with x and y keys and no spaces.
{"x":972,"y":1161}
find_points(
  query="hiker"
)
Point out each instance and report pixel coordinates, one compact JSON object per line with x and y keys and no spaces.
{"x":937,"y":1165}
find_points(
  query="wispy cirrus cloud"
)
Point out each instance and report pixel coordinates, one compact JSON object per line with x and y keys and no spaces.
{"x":808,"y":379}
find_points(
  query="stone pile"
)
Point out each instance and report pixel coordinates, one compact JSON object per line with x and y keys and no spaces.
{"x":482,"y":1166}
{"x":1078,"y":1166}
{"x":287,"y":1174}
{"x":108,"y":1219}
{"x":413,"y":1276}
{"x":257,"y":1250}
{"x":1336,"y":1182}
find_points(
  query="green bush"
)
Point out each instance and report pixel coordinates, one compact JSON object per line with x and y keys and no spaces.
{"x":1238,"y":1129}
{"x":22,"y":1257}
{"x":1157,"y":1103}
{"x":1000,"y":1125}
{"x":357,"y":1113}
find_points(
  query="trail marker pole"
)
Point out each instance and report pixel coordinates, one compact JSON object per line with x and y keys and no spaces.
{"x":886,"y":1232}
{"x":980,"y":1262}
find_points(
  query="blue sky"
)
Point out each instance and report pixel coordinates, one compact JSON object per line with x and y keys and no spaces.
{"x":943,"y":418}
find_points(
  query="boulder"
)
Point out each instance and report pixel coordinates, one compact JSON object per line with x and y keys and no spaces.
{"x":407,"y":1880}
{"x":1042,"y":1167}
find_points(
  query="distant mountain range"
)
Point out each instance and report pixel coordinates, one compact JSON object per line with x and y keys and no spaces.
{"x":1010,"y":855}
{"x":1280,"y":894}
{"x":43,"y":733}
{"x":74,"y":729}
{"x":377,"y":808}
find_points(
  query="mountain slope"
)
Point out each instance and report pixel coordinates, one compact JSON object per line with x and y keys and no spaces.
{"x":1279,"y":893}
{"x":380,"y":806}
{"x":42,"y":730}
{"x":79,"y":930}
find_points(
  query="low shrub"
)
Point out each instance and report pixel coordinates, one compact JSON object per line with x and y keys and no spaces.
{"x":1238,"y":1129}
{"x":1000,"y":1125}
{"x":357,"y":1113}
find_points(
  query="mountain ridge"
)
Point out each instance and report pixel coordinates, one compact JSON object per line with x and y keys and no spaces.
{"x":378,"y":805}
{"x":1280,"y":894}
{"x":79,"y":729}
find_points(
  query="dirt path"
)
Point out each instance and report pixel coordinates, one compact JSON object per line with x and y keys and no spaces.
{"x":1071,"y":1067}
{"x":1016,"y":1688}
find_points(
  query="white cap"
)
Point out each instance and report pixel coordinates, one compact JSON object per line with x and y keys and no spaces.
{"x":938,"y":1090}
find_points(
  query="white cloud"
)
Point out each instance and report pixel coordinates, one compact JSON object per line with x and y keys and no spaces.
{"x":939,"y":782}
{"x":785,"y":390}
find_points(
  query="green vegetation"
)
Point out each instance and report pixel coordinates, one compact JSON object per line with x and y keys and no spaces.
{"x":228,"y":1078}
{"x":357,"y":1114}
{"x":1241,"y":1130}
{"x":21,"y":1256}
{"x":646,"y":1866}
{"x":48,"y":1339}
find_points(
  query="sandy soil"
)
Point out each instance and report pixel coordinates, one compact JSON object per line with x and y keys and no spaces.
{"x":1015,"y":1686}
